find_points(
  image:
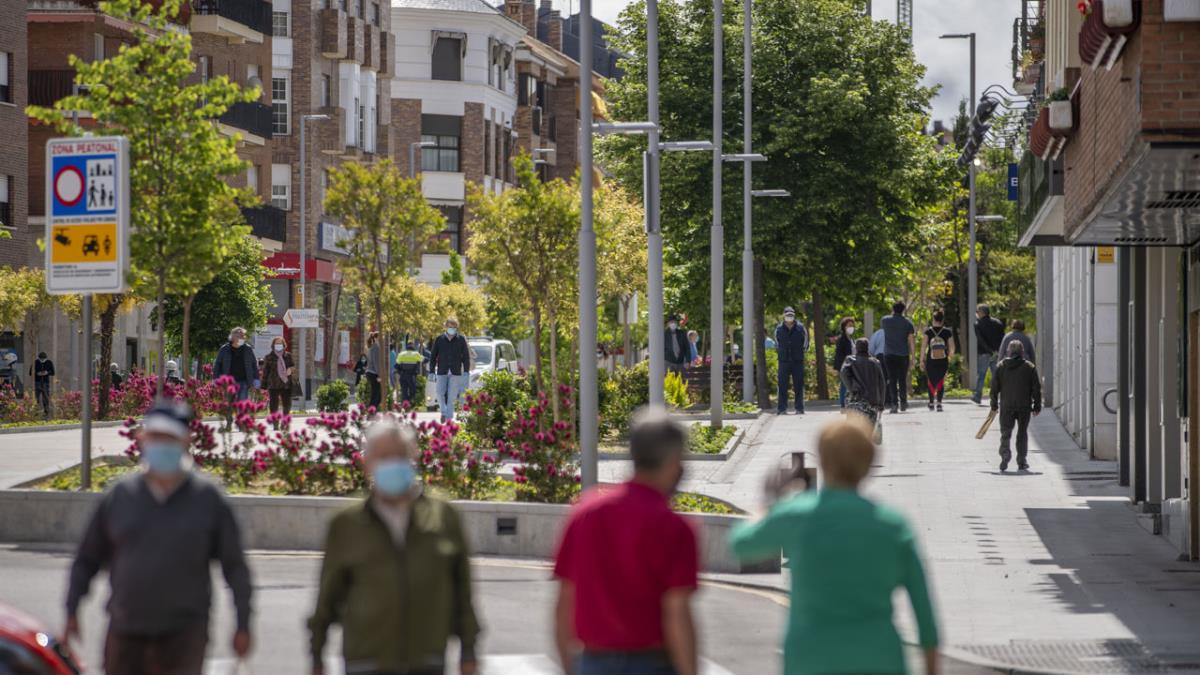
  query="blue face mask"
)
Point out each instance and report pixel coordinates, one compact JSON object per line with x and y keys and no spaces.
{"x":394,"y":477}
{"x":451,"y":331}
{"x":163,"y":457}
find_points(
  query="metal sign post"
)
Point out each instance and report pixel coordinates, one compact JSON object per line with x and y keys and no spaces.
{"x":87,"y":238}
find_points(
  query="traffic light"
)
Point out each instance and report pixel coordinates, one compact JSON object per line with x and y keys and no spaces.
{"x":978,"y":129}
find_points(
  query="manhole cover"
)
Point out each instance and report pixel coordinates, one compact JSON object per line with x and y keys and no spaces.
{"x":1098,"y":656}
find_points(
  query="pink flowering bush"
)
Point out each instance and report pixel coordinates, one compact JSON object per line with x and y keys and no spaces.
{"x":447,"y":459}
{"x":547,"y":471}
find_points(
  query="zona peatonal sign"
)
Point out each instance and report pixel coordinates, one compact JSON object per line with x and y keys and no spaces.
{"x":87,"y":215}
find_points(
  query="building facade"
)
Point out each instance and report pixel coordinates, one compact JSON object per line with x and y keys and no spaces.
{"x":16,"y":248}
{"x":1115,"y":176}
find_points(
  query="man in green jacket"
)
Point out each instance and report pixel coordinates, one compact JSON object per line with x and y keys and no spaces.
{"x":397,"y":573}
{"x":1016,"y":394}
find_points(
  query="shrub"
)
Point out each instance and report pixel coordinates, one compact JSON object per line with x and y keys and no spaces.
{"x":448,"y":460}
{"x":675,"y":392}
{"x":492,"y":408}
{"x":547,"y":472}
{"x":706,"y":440}
{"x":362,"y":392}
{"x":331,"y":397}
{"x":631,"y":390}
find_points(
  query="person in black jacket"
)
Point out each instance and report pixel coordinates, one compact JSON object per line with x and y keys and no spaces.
{"x":678,"y":350}
{"x":1016,"y":395}
{"x":862,"y":376}
{"x":449,"y":361}
{"x":989,"y":333}
{"x":42,"y":370}
{"x":791,"y":342}
{"x":843,"y":348}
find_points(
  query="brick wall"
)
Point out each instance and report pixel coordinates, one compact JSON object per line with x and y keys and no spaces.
{"x":563,"y":105}
{"x":1152,"y":93}
{"x":406,"y":129}
{"x":19,"y":249}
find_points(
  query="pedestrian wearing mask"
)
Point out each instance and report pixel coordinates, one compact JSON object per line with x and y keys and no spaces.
{"x":449,"y":361}
{"x":42,"y":370}
{"x":408,"y":367}
{"x":693,"y":347}
{"x":791,"y":341}
{"x":678,"y":348}
{"x":853,"y":554}
{"x":236,"y":359}
{"x":843,"y":348}
{"x":277,"y":371}
{"x":937,"y":347}
{"x":397,"y":571}
{"x":627,"y":567}
{"x":156,"y":532}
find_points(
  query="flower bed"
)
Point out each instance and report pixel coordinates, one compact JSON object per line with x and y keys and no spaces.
{"x":706,"y":440}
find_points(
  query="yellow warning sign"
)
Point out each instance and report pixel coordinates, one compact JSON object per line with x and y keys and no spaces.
{"x":92,"y":242}
{"x":1106,"y":254}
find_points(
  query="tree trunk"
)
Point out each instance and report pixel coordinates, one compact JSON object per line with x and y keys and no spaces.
{"x":818,"y":336}
{"x":627,"y":333}
{"x":108,"y":320}
{"x":185,"y":356}
{"x":161,"y":368}
{"x":760,"y":343}
{"x":331,"y":347}
{"x":384,"y":357}
{"x":554,"y":364}
{"x":537,"y":351}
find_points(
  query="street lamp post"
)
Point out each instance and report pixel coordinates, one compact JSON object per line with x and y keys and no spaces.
{"x":972,"y":269}
{"x":650,"y":201}
{"x":747,"y":245}
{"x":717,"y":244}
{"x":304,"y":119}
{"x":588,"y":394}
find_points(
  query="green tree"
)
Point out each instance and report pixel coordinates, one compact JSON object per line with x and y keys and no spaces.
{"x":454,"y":275}
{"x":409,"y":307}
{"x":236,"y":296}
{"x":389,"y":223}
{"x":839,"y":111}
{"x":185,"y":216}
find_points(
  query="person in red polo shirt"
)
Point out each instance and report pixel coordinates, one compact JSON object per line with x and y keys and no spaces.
{"x":627,"y":567}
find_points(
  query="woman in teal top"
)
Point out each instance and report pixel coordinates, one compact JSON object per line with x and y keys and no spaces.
{"x":847,"y":555}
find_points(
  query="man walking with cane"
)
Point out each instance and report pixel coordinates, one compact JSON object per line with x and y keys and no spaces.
{"x":1017,"y":395}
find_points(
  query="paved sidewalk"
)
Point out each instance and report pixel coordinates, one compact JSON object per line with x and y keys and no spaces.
{"x":1047,"y":571}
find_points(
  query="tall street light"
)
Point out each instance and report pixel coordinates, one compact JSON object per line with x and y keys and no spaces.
{"x":304,"y":119}
{"x":972,"y":270}
{"x":717,"y":245}
{"x":588,"y":394}
{"x":650,"y":201}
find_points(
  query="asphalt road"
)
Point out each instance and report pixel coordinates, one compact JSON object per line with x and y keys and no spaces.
{"x":740,"y":628}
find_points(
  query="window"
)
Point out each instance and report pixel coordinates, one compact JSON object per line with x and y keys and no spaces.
{"x":453,"y":231}
{"x":326,"y":91}
{"x":279,"y":24}
{"x":362,"y":9}
{"x":488,"y":153}
{"x":6,"y":189}
{"x":447,"y":59}
{"x":279,"y":106}
{"x":444,"y":132}
{"x":204,"y":68}
{"x":526,"y":89}
{"x":252,"y":177}
{"x":6,"y":77}
{"x":362,"y":124}
{"x":97,"y":47}
{"x":375,"y":13}
{"x":322,"y":186}
{"x":281,"y":186}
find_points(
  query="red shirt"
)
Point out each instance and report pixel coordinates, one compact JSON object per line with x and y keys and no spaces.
{"x":623,"y":549}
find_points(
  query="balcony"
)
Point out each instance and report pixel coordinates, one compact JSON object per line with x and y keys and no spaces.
{"x":238,"y":21}
{"x":371,"y":50}
{"x":48,"y":86}
{"x":355,"y":40}
{"x":267,"y":222}
{"x":253,"y":118}
{"x":1038,"y":180}
{"x":1028,"y":46}
{"x":333,"y":33}
{"x":1106,"y":30}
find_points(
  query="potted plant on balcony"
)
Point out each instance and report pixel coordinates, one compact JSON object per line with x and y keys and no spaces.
{"x":1037,"y":40}
{"x":1060,"y":115}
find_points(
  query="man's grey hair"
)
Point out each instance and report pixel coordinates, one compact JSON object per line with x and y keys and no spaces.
{"x":1015,"y":348}
{"x":388,"y":429}
{"x":237,"y":331}
{"x":654,"y":438}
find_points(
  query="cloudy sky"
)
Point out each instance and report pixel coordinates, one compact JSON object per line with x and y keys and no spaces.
{"x":947,"y":61}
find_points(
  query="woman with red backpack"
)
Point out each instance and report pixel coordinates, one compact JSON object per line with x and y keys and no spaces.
{"x":937,"y":348}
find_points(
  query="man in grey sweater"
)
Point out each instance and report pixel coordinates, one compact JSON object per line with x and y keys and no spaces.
{"x":156,"y":533}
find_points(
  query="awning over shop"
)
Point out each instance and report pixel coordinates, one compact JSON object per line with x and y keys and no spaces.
{"x":287,"y":266}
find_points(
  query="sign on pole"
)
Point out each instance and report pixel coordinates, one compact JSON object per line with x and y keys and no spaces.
{"x":1014,"y":182}
{"x":87,"y":215}
{"x":300,"y":318}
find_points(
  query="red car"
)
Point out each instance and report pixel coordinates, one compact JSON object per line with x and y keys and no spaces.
{"x":28,"y":648}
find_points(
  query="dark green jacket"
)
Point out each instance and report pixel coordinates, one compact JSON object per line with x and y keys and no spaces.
{"x":397,"y":606}
{"x":1016,"y":386}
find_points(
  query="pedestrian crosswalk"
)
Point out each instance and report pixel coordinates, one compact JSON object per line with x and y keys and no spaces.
{"x":492,"y":664}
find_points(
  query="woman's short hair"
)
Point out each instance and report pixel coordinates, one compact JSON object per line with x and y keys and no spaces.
{"x":939,"y":316}
{"x":862,"y":346}
{"x":279,"y":339}
{"x":845,"y":320}
{"x":846,"y":450}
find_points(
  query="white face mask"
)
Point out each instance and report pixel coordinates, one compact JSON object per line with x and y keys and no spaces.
{"x":789,"y":319}
{"x":278,"y":348}
{"x":237,"y":342}
{"x":850,"y":330}
{"x":672,"y":326}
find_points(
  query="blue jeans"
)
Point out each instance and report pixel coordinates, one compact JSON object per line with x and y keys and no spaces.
{"x":243,"y":392}
{"x":794,"y":371}
{"x":449,"y":388}
{"x":634,"y":663}
{"x":983,"y":364}
{"x":842,"y":394}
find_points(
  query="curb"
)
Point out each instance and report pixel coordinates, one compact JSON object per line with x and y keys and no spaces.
{"x":106,"y":424}
{"x":731,"y":446}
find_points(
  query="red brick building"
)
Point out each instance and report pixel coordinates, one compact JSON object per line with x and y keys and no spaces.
{"x":14,"y":180}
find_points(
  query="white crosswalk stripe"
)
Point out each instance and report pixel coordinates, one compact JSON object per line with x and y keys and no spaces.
{"x":493,"y":664}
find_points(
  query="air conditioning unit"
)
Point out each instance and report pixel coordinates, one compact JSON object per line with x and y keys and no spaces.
{"x":1181,"y":10}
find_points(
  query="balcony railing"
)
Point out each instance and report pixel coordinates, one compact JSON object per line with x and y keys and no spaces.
{"x":253,"y":117}
{"x":48,"y":86}
{"x":268,"y":222}
{"x":254,"y":14}
{"x":1028,"y":43}
{"x":1037,"y":181}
